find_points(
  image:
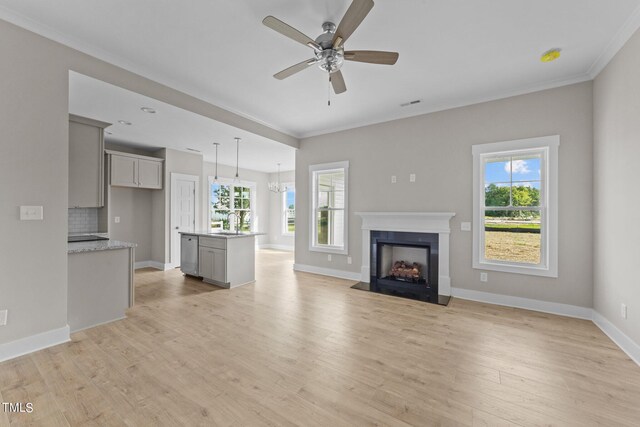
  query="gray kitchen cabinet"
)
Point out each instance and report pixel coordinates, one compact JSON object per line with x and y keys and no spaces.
{"x":150,"y":174}
{"x":213,"y":264}
{"x":131,"y":170}
{"x":123,"y":171}
{"x":86,"y":163}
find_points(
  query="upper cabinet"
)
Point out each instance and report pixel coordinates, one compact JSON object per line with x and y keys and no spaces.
{"x":86,"y":162}
{"x":132,"y":170}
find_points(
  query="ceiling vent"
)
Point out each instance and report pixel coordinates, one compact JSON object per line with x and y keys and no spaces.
{"x":406,"y":104}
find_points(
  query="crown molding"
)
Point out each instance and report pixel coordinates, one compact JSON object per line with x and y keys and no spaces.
{"x":618,"y":41}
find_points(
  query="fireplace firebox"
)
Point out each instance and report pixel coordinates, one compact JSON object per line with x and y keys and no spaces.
{"x":405,"y":264}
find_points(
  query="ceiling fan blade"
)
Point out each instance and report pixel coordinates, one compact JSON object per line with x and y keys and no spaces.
{"x":372,"y":56}
{"x":337,"y":81}
{"x":288,"y":72}
{"x":356,"y":13}
{"x":288,"y":31}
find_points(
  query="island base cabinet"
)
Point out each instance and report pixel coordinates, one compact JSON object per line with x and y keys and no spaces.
{"x":226,"y":262}
{"x":213,"y":265}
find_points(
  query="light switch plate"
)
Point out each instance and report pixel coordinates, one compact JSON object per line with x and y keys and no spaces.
{"x":465,"y":226}
{"x":623,"y":311}
{"x":484,"y":277}
{"x":394,"y":179}
{"x":3,"y":317}
{"x":349,"y":260}
{"x":31,"y":213}
{"x":116,"y":220}
{"x":329,"y":257}
{"x":412,"y":177}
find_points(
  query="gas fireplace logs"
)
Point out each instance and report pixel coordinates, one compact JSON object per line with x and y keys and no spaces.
{"x":405,"y":271}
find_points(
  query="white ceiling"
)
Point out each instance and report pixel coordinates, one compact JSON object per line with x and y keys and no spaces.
{"x":452,"y":53}
{"x":171,"y":127}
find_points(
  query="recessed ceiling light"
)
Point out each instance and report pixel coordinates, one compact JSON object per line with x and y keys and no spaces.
{"x":406,"y":104}
{"x":550,"y":55}
{"x":148,"y":110}
{"x":108,"y":133}
{"x":124,"y":122}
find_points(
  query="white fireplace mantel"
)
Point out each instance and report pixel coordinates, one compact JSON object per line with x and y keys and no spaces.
{"x":416,"y":222}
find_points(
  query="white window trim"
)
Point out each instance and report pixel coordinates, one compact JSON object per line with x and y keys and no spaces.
{"x":229,"y":181}
{"x":549,"y":245}
{"x":283,"y":222}
{"x":313,"y":201}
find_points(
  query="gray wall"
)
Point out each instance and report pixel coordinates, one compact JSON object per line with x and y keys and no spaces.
{"x":133,"y":206}
{"x":276,"y":212}
{"x":34,"y":169}
{"x":262,"y":197}
{"x":617,"y":228}
{"x":34,"y":108}
{"x":437,"y":148}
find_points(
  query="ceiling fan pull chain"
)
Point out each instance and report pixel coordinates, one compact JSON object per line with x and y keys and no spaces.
{"x":329,"y":92}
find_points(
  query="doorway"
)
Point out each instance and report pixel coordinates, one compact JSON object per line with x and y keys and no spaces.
{"x":185,"y":195}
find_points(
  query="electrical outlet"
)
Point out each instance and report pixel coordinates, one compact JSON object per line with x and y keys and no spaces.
{"x":465,"y":226}
{"x":623,"y":311}
{"x":116,"y":220}
{"x":412,"y":177}
{"x":394,"y":179}
{"x":349,"y":260}
{"x":3,"y":317}
{"x":329,"y":257}
{"x":484,"y":277}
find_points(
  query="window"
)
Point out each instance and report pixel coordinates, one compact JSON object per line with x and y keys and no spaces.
{"x":226,"y":197}
{"x":329,"y":184}
{"x":289,"y":210}
{"x":516,"y":206}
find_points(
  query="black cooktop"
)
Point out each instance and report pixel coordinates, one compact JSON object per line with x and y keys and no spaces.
{"x":85,"y":238}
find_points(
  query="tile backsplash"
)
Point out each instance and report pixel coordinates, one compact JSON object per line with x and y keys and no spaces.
{"x":83,"y":220}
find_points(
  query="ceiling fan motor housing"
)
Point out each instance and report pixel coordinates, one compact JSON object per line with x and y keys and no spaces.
{"x":329,"y":59}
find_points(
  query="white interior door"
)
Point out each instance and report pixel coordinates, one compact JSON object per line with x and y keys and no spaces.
{"x":184,"y":212}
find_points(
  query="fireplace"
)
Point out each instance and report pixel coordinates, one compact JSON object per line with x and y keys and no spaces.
{"x":420,"y":238}
{"x":405,"y":264}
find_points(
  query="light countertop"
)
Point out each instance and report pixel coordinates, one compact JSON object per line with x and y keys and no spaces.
{"x":98,"y":245}
{"x":222,"y":235}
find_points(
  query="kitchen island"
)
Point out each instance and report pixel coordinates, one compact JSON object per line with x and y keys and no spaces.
{"x":100,"y":285}
{"x":223,"y":259}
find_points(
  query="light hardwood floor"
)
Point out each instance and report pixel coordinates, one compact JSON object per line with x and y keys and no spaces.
{"x":300,"y":349}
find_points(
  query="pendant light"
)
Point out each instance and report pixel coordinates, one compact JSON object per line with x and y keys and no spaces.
{"x":215,"y":179}
{"x":277,"y":187}
{"x":237,"y":178}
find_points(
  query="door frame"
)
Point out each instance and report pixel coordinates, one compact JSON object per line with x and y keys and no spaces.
{"x":174,"y":242}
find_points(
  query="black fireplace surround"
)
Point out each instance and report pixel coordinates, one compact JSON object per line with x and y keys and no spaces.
{"x":423,"y":249}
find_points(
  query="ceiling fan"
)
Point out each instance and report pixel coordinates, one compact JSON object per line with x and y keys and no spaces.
{"x":329,"y":53}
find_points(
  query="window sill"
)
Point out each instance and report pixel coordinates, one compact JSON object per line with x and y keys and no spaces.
{"x":516,"y":269}
{"x":329,"y":250}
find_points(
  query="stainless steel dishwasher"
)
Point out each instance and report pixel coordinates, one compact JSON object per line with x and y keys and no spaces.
{"x":189,"y":254}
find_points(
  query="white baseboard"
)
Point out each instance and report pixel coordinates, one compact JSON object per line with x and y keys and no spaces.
{"x":617,"y":336}
{"x":152,"y":264}
{"x":526,"y":303}
{"x":33,"y":343}
{"x":341,"y":274}
{"x":286,"y":248}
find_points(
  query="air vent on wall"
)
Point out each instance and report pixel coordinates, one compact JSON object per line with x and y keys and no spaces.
{"x":193,"y":149}
{"x":406,"y":104}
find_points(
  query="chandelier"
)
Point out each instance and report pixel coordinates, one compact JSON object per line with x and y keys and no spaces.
{"x":277,"y":187}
